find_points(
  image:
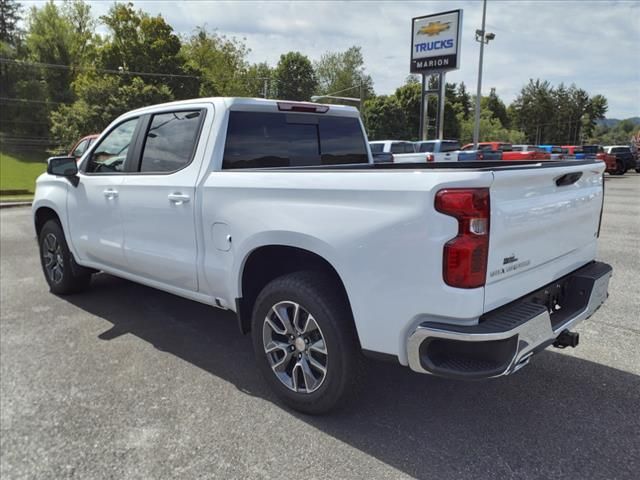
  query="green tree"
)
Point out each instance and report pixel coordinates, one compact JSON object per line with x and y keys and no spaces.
{"x":497,"y":107}
{"x":294,"y":77}
{"x":259,"y":81}
{"x":408,"y":97}
{"x":384,"y":118}
{"x":343,"y":74}
{"x":138,"y":42}
{"x":220,"y":62}
{"x":491,"y":129}
{"x":9,"y":19}
{"x":100,"y":99}
{"x":464,"y":100}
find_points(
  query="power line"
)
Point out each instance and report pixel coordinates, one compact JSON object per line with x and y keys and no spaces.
{"x":104,"y":70}
{"x":24,"y":100}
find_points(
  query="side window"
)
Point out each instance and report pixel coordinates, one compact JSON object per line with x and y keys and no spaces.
{"x":80,"y":149}
{"x":110,"y":154}
{"x":376,"y":147}
{"x":170,"y":141}
{"x":409,"y":148}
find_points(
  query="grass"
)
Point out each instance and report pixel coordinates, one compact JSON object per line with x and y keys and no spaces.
{"x":19,"y":170}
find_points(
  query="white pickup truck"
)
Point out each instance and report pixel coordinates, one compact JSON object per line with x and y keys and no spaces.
{"x":439,"y":150}
{"x":402,"y":151}
{"x":276,"y":211}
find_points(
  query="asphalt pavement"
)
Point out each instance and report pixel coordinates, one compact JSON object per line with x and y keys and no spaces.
{"x":127,"y":382}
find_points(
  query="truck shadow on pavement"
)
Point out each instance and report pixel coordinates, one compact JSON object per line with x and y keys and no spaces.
{"x":559,"y":417}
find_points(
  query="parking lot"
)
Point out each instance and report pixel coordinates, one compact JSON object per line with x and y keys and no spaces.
{"x":125,"y":381}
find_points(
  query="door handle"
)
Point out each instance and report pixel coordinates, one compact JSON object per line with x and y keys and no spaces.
{"x":178,"y":198}
{"x":110,"y":193}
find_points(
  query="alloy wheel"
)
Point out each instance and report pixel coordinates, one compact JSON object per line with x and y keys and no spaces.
{"x":52,"y":255}
{"x":295,"y":347}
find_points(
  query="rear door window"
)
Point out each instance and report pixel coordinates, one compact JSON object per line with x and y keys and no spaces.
{"x":170,"y":141}
{"x":505,"y":147}
{"x":376,"y":147}
{"x":266,"y":139}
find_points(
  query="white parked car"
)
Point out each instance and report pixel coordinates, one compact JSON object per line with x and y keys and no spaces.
{"x":439,"y":150}
{"x":276,"y":211}
{"x":402,"y":151}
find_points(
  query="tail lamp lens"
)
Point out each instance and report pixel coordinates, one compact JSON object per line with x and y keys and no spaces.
{"x":465,"y":256}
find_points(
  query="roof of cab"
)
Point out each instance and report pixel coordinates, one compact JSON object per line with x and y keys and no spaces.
{"x":250,"y":104}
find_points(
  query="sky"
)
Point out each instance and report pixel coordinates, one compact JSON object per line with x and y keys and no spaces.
{"x":594,"y":44}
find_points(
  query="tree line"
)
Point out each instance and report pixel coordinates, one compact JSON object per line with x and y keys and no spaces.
{"x":60,"y":80}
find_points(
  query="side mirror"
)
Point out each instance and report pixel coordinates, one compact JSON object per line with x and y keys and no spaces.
{"x":383,"y":158}
{"x":63,"y":167}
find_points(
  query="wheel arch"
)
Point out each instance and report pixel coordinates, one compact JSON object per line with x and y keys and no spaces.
{"x":267,"y":262}
{"x":42,"y":215}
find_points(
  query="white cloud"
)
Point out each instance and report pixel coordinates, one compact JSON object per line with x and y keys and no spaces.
{"x":594,"y":44}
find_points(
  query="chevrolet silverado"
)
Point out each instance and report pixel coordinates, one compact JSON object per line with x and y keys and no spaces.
{"x":276,"y":211}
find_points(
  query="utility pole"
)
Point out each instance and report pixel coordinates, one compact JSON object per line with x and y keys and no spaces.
{"x":479,"y":33}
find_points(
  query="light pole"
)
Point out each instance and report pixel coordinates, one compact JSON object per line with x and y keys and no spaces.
{"x":482,"y":37}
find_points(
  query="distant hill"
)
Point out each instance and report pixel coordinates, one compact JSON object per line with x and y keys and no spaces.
{"x":612,"y":122}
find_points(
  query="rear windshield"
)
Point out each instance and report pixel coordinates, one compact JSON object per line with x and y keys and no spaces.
{"x":426,"y":147}
{"x":620,"y":150}
{"x":266,"y":139}
{"x":377,"y":147}
{"x":449,"y":146}
{"x":505,"y":147}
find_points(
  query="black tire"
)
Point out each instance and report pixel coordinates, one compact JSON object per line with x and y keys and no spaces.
{"x":319,"y":296}
{"x":637,"y":170}
{"x":70,"y":277}
{"x":620,"y":170}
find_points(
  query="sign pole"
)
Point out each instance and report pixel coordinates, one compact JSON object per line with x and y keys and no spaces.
{"x":441,"y":100}
{"x":435,"y":49}
{"x":422,"y":109}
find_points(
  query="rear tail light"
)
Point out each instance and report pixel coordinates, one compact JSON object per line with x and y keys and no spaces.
{"x":302,"y":107}
{"x":431,"y":157}
{"x":465,"y":256}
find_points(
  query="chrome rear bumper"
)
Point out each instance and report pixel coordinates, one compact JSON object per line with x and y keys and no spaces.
{"x":505,"y":339}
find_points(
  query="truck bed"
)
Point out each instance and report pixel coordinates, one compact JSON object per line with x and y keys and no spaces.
{"x":467,"y":166}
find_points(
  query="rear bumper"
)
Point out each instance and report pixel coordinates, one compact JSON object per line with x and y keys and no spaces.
{"x":505,"y":339}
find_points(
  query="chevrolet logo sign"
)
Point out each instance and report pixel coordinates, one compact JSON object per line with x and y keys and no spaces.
{"x":434,"y":28}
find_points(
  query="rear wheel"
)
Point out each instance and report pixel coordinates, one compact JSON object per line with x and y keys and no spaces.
{"x":305,"y":342}
{"x":61,"y":272}
{"x":620,"y":169}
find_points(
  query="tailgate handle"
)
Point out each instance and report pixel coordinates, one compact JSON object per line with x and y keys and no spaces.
{"x":568,"y":179}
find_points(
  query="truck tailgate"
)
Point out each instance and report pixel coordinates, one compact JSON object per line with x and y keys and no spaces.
{"x":544,"y":224}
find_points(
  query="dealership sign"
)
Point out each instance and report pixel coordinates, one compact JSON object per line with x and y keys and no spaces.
{"x":435,"y":42}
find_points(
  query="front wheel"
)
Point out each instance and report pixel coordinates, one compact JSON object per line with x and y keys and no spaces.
{"x":61,"y":272}
{"x":305,"y":341}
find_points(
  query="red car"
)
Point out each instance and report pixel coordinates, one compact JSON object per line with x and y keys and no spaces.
{"x":507,"y":151}
{"x":81,"y":145}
